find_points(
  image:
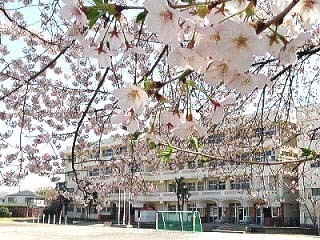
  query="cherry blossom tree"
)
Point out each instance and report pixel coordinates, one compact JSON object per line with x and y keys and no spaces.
{"x":167,"y":74}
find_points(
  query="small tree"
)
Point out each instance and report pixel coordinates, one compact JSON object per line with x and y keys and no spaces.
{"x":182,"y":192}
{"x":4,"y":212}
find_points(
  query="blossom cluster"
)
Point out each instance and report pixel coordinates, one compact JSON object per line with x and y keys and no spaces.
{"x":218,"y":40}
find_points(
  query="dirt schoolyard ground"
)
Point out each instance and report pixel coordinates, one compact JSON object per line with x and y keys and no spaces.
{"x":13,"y":230}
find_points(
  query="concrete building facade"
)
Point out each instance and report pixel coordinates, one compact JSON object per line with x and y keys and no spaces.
{"x":237,"y":193}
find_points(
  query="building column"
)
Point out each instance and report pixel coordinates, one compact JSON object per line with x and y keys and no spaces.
{"x":119,"y":205}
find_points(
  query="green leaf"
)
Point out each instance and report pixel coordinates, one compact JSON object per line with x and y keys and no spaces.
{"x":98,"y":2}
{"x":135,"y":136}
{"x":203,"y":11}
{"x":194,"y":142}
{"x":147,"y":84}
{"x":93,"y":14}
{"x":141,"y":16}
{"x":152,"y":145}
{"x":187,"y":1}
{"x":314,"y":155}
{"x":166,"y":154}
{"x":306,"y":152}
{"x":191,"y":83}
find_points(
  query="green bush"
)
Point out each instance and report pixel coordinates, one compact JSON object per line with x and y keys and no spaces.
{"x":4,"y":212}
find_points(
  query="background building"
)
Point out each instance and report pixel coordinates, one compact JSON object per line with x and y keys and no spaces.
{"x":309,"y":172}
{"x":24,"y":204}
{"x":226,"y":193}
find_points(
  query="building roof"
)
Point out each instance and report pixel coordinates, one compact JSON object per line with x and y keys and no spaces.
{"x":25,"y":193}
{"x":3,"y":194}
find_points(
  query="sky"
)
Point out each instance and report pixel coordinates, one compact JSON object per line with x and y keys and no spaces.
{"x":31,"y":182}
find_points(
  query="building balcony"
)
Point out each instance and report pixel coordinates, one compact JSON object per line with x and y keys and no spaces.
{"x":209,"y":195}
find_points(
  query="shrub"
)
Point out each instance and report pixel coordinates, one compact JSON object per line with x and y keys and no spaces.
{"x":4,"y":212}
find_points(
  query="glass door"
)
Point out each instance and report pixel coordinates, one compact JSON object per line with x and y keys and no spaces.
{"x":259,"y":216}
{"x":241,"y":214}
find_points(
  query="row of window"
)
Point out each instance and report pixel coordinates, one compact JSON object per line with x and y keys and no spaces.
{"x":267,"y":156}
{"x":96,"y":172}
{"x":315,"y":191}
{"x":109,"y":152}
{"x":220,"y":137}
{"x":212,"y":185}
{"x":315,"y":164}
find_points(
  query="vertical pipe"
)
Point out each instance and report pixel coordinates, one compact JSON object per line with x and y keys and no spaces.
{"x":124,"y":208}
{"x":194,"y":221}
{"x":157,"y":221}
{"x":181,"y":221}
{"x":119,"y":205}
{"x":129,"y":200}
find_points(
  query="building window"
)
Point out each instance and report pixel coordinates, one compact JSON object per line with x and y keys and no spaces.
{"x":93,"y":210}
{"x":172,"y":187}
{"x":270,"y":156}
{"x":222,"y":185}
{"x":243,"y":156}
{"x":191,"y":186}
{"x":192,"y":165}
{"x":315,"y":164}
{"x":315,"y":191}
{"x":201,"y":163}
{"x":107,"y":153}
{"x":123,"y":150}
{"x":108,"y":171}
{"x":240,"y":184}
{"x":70,"y":208}
{"x":265,"y":132}
{"x":216,"y":138}
{"x":217,"y":185}
{"x":275,"y":212}
{"x":94,"y":155}
{"x":79,"y":210}
{"x":172,"y":208}
{"x":94,"y":173}
{"x":12,"y":199}
{"x":201,"y":186}
{"x":213,"y":185}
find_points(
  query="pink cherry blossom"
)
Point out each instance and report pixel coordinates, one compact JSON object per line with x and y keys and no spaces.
{"x":186,"y":58}
{"x":163,"y":20}
{"x":171,"y":118}
{"x":239,"y":43}
{"x":102,"y":55}
{"x":126,"y":119}
{"x":189,"y":128}
{"x":246,"y":83}
{"x":70,"y":10}
{"x":288,"y":52}
{"x":131,"y":97}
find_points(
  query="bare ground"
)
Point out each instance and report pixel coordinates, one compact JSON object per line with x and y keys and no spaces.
{"x":11,"y":230}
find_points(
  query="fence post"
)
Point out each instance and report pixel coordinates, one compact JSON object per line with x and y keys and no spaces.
{"x":54,"y":219}
{"x":49,"y":219}
{"x":65,"y":219}
{"x":60,"y":218}
{"x":38,"y":218}
{"x":43,"y":218}
{"x":156,"y":221}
